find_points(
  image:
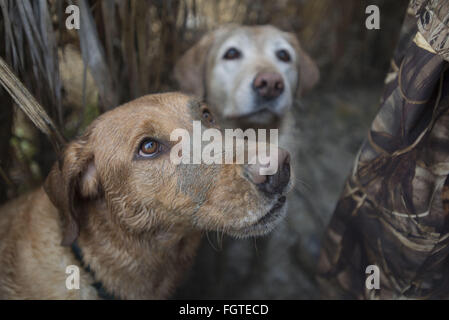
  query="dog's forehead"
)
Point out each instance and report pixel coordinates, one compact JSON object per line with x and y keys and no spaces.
{"x":155,"y":107}
{"x":160,"y":105}
{"x":257,"y":35}
{"x":157,"y":114}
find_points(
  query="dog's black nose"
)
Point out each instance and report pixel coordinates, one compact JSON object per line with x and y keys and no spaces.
{"x":275,"y":183}
{"x":268,"y":85}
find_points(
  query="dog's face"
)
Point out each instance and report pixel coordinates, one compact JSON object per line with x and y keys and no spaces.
{"x":249,"y":75}
{"x":123,"y":163}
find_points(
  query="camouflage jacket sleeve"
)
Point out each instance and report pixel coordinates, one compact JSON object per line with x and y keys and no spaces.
{"x":433,"y":21}
{"x":393,"y":211}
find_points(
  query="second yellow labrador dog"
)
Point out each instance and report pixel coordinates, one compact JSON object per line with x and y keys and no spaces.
{"x":249,"y":75}
{"x":116,"y":207}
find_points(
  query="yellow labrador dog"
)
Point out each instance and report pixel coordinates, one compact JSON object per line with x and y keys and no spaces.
{"x":116,"y":208}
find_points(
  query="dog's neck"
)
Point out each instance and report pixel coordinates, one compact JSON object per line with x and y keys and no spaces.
{"x":131,"y":266}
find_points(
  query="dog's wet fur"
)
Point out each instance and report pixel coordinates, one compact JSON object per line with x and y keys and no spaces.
{"x":137,"y":220}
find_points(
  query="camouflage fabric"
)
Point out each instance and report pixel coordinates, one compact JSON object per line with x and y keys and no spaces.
{"x":433,"y":21}
{"x":394,"y":209}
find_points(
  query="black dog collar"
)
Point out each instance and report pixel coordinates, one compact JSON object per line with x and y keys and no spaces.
{"x":98,"y":285}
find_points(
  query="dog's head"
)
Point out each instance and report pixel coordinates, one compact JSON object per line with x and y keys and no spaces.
{"x":249,"y":75}
{"x":123,"y":163}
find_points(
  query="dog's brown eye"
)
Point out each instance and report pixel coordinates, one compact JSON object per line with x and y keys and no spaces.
{"x":149,"y":148}
{"x":232,"y":54}
{"x":283,"y":55}
{"x":207,"y":116}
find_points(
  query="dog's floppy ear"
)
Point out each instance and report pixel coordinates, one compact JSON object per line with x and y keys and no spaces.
{"x":71,"y":180}
{"x":309,"y":74}
{"x":191,"y":67}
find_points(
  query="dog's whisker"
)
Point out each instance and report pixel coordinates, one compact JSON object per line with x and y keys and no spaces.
{"x":299,"y":190}
{"x":255,"y":246}
{"x":210,"y":242}
{"x":303,"y":183}
{"x":221,"y":240}
{"x":217,"y":236}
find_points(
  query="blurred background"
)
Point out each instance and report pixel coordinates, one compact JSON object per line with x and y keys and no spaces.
{"x":128,"y":48}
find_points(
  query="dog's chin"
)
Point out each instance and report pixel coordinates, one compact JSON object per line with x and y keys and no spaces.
{"x":264,"y":118}
{"x":265,"y":224}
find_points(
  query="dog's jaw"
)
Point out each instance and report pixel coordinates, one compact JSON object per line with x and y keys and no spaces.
{"x":266,"y":223}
